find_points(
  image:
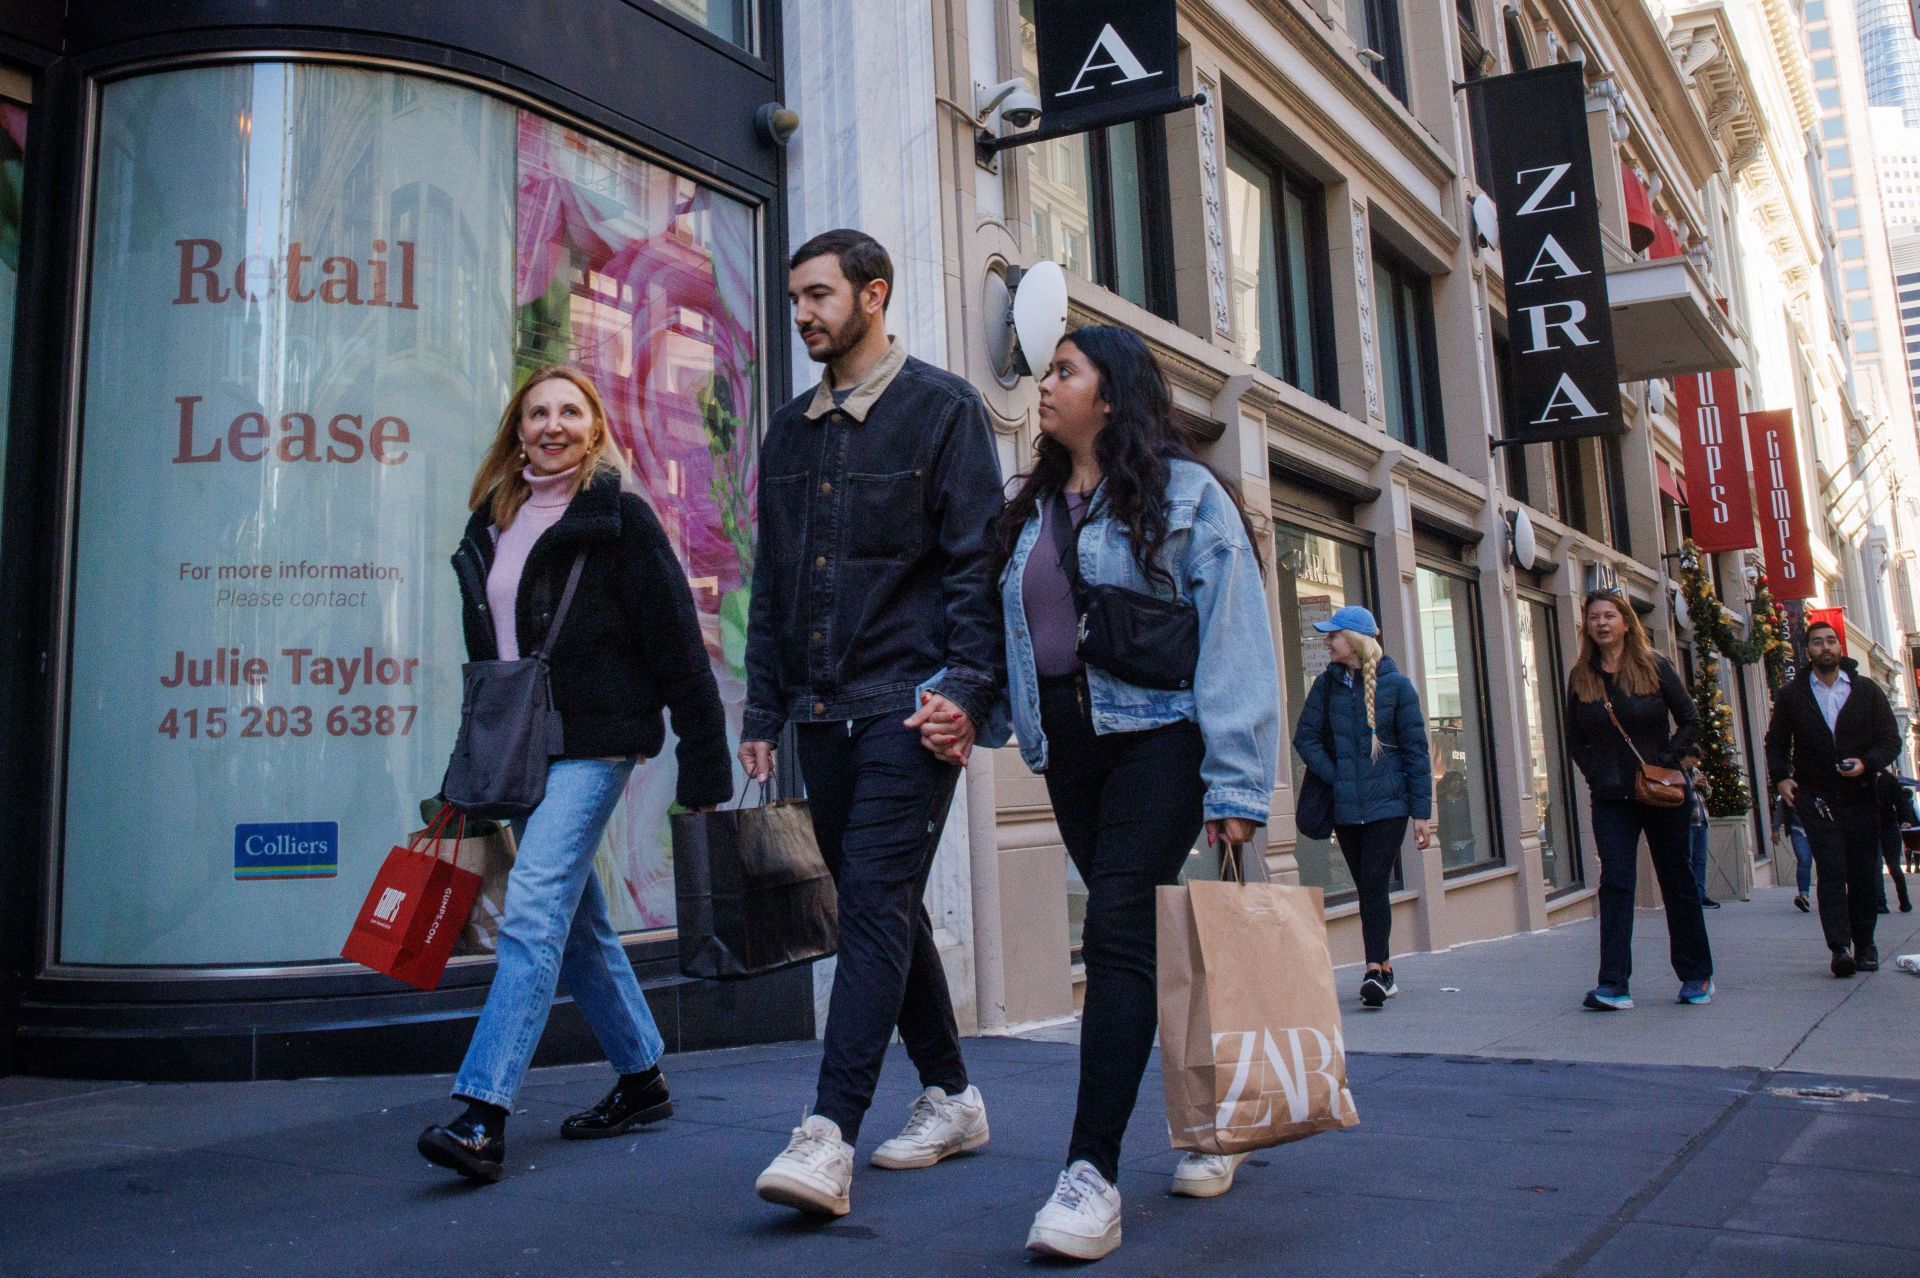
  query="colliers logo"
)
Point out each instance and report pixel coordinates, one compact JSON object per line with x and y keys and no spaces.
{"x":287,"y":850}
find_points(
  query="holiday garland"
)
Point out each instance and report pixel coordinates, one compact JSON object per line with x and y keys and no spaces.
{"x":1767,"y":642}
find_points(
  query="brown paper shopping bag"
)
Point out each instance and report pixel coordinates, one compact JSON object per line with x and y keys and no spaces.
{"x":1250,"y":1042}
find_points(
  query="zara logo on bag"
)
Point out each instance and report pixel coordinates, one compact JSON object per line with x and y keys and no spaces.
{"x":389,"y":907}
{"x":1268,"y":1062}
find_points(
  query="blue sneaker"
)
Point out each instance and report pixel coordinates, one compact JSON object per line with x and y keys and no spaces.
{"x":1609,"y":998}
{"x":1697,"y":992}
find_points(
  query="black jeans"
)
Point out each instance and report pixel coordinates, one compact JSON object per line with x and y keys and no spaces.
{"x":1846,"y":866}
{"x":1893,"y":851}
{"x":1617,"y":827}
{"x":1129,"y":809}
{"x":1371,"y":850}
{"x":879,"y":800}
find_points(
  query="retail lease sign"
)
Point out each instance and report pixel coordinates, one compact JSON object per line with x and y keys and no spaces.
{"x":1565,"y":382}
{"x":1718,"y":494}
{"x":1105,"y":61}
{"x":1772,"y":450}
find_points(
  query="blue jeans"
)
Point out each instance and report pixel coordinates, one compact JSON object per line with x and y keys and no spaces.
{"x":1803,"y":856}
{"x":1697,"y":856}
{"x":556,"y":927}
{"x":1617,"y":827}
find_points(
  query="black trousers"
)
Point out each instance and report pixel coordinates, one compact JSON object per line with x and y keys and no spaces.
{"x":1617,"y":827}
{"x":1893,"y":852}
{"x":1371,"y":850}
{"x":1846,"y":868}
{"x":1129,"y":809}
{"x":879,"y":800}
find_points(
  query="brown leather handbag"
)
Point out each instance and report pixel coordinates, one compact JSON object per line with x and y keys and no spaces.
{"x":1654,"y":785}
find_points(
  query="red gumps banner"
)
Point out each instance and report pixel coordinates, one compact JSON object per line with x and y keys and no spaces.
{"x":1718,"y":498}
{"x":1783,"y":507}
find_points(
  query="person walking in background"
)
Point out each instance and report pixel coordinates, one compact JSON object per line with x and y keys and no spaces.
{"x":1363,"y":733}
{"x":1699,"y":790}
{"x":1141,"y":751}
{"x":548,"y":495}
{"x":1626,"y":704}
{"x":1896,"y":813}
{"x":1786,"y":821}
{"x":874,"y":629}
{"x":1832,"y":732}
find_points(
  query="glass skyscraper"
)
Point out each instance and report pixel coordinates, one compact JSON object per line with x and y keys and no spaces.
{"x":1891,"y":53}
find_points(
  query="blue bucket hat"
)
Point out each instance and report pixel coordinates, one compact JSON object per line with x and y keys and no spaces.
{"x":1352,"y":617}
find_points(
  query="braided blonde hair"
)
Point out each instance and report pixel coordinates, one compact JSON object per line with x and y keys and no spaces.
{"x":1367,"y":648}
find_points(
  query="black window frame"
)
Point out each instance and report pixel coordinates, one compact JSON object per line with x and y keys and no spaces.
{"x":1514,"y":456}
{"x":1418,"y":369}
{"x":1282,"y":176}
{"x":1156,"y":213}
{"x":1554,"y":703}
{"x":1383,"y":36}
{"x":1459,"y":571}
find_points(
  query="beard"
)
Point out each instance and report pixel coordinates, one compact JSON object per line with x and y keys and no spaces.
{"x":843,"y":339}
{"x":1828,"y":660}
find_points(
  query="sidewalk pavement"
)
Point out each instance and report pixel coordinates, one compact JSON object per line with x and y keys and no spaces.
{"x":1718,"y":1160}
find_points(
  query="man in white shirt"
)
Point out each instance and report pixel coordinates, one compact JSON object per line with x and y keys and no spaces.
{"x":1832,"y":732}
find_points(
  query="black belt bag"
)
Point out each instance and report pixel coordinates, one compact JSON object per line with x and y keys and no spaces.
{"x":509,"y":728}
{"x":1142,"y":639}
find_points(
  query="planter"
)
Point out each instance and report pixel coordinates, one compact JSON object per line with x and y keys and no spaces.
{"x":1730,"y":858}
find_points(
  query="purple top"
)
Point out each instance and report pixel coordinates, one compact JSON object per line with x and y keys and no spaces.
{"x":1052,"y":619}
{"x":542,"y":510}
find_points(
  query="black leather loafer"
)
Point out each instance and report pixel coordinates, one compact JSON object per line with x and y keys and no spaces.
{"x":622,"y":1108}
{"x":1866,"y":958}
{"x":464,"y":1146}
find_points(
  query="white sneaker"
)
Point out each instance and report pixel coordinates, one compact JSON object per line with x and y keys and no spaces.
{"x":813,"y":1173}
{"x":1082,"y":1219}
{"x":940,"y":1125}
{"x":1206,"y":1175}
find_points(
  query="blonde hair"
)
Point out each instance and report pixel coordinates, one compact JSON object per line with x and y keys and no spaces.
{"x":1639,"y":672}
{"x":499,"y":479}
{"x":1368,"y":649}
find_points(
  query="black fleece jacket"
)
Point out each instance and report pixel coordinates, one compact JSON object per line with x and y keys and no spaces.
{"x":1596,"y":745}
{"x":629,"y":645}
{"x":1801,"y":747}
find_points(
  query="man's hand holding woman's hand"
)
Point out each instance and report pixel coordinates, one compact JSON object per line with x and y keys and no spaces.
{"x":944,"y":728}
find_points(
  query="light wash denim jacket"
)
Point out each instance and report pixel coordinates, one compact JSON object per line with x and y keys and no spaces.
{"x":1235,"y":696}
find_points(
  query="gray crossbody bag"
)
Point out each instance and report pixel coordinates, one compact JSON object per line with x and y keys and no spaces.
{"x":509,"y":727}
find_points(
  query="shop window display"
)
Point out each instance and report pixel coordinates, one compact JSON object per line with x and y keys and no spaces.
{"x":312,"y":289}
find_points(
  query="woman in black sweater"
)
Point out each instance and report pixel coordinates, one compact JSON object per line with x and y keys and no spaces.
{"x":548,"y":503}
{"x":1619,"y":677}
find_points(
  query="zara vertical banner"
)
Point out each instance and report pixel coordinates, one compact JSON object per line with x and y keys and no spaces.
{"x":1783,"y":509}
{"x":1105,"y":61}
{"x":1718,"y":494}
{"x":1560,"y":332}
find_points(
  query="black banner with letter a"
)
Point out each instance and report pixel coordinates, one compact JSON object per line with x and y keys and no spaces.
{"x":1105,"y":61}
{"x":1565,"y":382}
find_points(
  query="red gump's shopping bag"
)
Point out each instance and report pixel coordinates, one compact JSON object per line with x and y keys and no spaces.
{"x":1250,"y":1043}
{"x":416,"y":908}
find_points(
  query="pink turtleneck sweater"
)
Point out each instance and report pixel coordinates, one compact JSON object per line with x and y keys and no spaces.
{"x":542,"y":510}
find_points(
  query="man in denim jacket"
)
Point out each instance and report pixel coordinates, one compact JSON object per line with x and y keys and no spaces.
{"x":875,"y":630}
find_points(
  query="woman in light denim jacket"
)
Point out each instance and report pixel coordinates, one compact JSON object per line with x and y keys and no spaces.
{"x":1133,"y":772}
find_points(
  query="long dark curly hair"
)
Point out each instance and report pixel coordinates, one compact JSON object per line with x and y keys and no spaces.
{"x":1134,"y":449}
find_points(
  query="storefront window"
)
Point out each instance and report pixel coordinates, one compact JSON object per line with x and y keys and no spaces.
{"x":1453,"y":694}
{"x":1317,"y":574}
{"x":13,"y":169}
{"x":298,"y":345}
{"x":731,"y":20}
{"x":1547,"y":764}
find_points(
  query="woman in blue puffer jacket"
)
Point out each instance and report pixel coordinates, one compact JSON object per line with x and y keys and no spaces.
{"x":1364,"y":734}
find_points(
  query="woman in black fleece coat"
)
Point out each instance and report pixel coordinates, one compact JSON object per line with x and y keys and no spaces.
{"x":1619,"y":668}
{"x":628,"y":645}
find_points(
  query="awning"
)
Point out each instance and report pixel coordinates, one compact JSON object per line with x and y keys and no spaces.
{"x":1641,"y":222}
{"x":1669,"y":482}
{"x":1664,"y":324}
{"x":1665,"y":242}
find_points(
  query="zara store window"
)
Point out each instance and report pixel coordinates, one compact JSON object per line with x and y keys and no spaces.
{"x":1453,"y":691}
{"x":311,"y":288}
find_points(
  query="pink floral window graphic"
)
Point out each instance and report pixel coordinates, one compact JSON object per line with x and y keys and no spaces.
{"x":645,"y":279}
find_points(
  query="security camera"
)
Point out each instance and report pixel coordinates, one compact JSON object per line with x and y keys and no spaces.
{"x":1015,"y":102}
{"x":1021,"y":110}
